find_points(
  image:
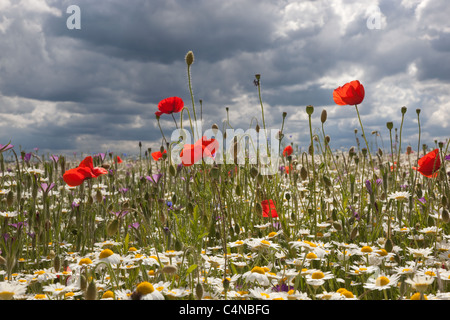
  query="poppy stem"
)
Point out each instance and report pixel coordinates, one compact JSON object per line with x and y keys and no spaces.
{"x":176,"y":125}
{"x":364,"y":136}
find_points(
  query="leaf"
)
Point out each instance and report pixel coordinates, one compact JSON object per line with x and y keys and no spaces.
{"x":191,"y":268}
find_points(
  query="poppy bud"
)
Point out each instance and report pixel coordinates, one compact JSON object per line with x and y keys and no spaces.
{"x":258,"y":208}
{"x":284,"y":114}
{"x":417,"y":111}
{"x":83,"y":282}
{"x":309,"y":110}
{"x":389,"y":245}
{"x":215,"y":172}
{"x":408,"y":150}
{"x":354,"y":233}
{"x":259,"y":178}
{"x":215,"y":127}
{"x":445,"y":216}
{"x":389,"y":125}
{"x":91,"y":291}
{"x":257,"y":128}
{"x":98,"y":196}
{"x":189,"y":58}
{"x":327,"y":139}
{"x":403,"y":110}
{"x":57,"y":263}
{"x":254,"y":172}
{"x":323,"y":116}
{"x":257,"y":76}
{"x":113,"y":227}
{"x":169,"y":269}
{"x":172,"y":170}
{"x":226,"y":284}
{"x":303,"y":173}
{"x":10,"y":198}
{"x":199,"y":291}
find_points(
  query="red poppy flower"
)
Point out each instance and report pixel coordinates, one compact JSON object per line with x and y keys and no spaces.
{"x":170,"y":105}
{"x":268,"y":206}
{"x":158,"y":155}
{"x":288,"y":151}
{"x":76,"y":176}
{"x":351,"y":93}
{"x":429,"y":164}
{"x":192,"y":153}
{"x":118,"y":159}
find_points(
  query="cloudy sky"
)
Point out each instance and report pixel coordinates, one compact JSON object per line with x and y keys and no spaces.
{"x":97,"y":88}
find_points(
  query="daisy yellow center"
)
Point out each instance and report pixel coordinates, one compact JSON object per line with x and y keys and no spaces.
{"x":406,"y":270}
{"x":347,"y":294}
{"x":382,"y":252}
{"x":382,"y":281}
{"x":290,"y":292}
{"x":85,"y":261}
{"x":317,"y":275}
{"x":341,"y":290}
{"x":40,"y":296}
{"x":265,"y":295}
{"x":430,"y":273}
{"x":272,"y":234}
{"x":416,"y":296}
{"x":39,"y":272}
{"x":366,"y":249}
{"x":310,"y":243}
{"x":106,"y":253}
{"x":108,"y":294}
{"x":258,"y":270}
{"x":6,"y":295}
{"x":138,"y":255}
{"x":239,"y":242}
{"x":311,"y":255}
{"x":145,"y":288}
{"x":264,"y":242}
{"x":69,"y":294}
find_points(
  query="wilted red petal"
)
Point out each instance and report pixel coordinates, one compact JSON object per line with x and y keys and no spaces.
{"x":98,"y":171}
{"x":268,"y":207}
{"x":158,"y":155}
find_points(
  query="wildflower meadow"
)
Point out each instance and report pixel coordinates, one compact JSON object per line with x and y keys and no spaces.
{"x":225,"y":214}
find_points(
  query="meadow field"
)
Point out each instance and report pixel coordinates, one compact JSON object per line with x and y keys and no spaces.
{"x":360,"y":224}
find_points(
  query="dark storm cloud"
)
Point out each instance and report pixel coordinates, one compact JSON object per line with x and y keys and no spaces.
{"x":98,"y":87}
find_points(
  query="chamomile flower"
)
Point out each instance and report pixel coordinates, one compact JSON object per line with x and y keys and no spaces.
{"x":420,"y":283}
{"x":399,"y":195}
{"x":257,"y":274}
{"x":108,"y":256}
{"x":55,"y":289}
{"x":11,"y":290}
{"x":146,"y":291}
{"x":381,"y":282}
